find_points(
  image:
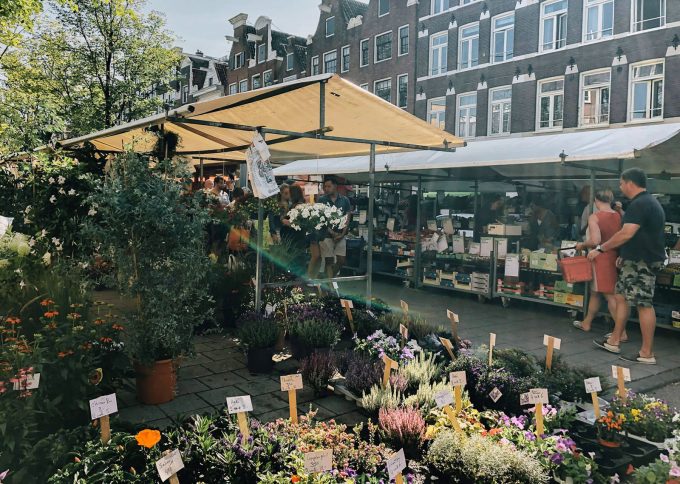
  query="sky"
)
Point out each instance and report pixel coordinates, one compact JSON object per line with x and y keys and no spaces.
{"x":202,"y":24}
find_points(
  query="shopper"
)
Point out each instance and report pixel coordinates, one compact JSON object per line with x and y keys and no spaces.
{"x":543,"y":225}
{"x":334,"y":245}
{"x":218,"y":191}
{"x":642,"y":255}
{"x":490,"y":212}
{"x":602,"y":225}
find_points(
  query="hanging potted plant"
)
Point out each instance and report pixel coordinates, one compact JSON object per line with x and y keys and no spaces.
{"x":258,"y":336}
{"x":610,"y":429}
{"x":153,"y":232}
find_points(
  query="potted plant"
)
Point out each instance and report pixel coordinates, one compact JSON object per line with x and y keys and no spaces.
{"x":610,"y":429}
{"x":153,"y":232}
{"x":312,"y":334}
{"x":258,"y":335}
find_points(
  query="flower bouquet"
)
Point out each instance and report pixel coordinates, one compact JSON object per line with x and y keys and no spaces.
{"x":314,"y":217}
{"x":610,"y":429}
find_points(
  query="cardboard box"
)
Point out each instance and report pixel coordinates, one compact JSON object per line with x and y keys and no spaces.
{"x":546,"y":262}
{"x":405,"y":263}
{"x":564,"y":286}
{"x":503,"y":229}
{"x":575,"y":300}
{"x":560,"y":297}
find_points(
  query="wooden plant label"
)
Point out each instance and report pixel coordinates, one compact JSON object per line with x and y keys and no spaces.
{"x":348,"y":305}
{"x":446,"y":343}
{"x":593,"y":386}
{"x":239,"y":406}
{"x":539,"y":397}
{"x":492,"y":343}
{"x":403,"y":331}
{"x":458,"y":380}
{"x":453,"y":419}
{"x":101,"y":408}
{"x":169,"y":465}
{"x":404,"y":308}
{"x":622,"y":375}
{"x":553,"y":344}
{"x":453,"y":317}
{"x":318,"y":461}
{"x":443,"y":398}
{"x":396,"y":463}
{"x":389,"y":365}
{"x":539,"y":420}
{"x":337,"y":289}
{"x":290,"y":384}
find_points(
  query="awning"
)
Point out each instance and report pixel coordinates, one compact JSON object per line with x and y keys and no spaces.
{"x":295,"y":106}
{"x":653,"y":147}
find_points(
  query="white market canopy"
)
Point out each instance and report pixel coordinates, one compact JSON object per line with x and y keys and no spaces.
{"x":536,"y":157}
{"x":327,"y":110}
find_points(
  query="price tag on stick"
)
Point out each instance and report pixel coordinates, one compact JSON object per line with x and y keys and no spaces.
{"x":389,"y":365}
{"x":453,"y":419}
{"x":453,"y":317}
{"x":622,"y":375}
{"x":403,"y":331}
{"x":239,"y":406}
{"x":290,"y":384}
{"x":348,"y":305}
{"x":337,"y":289}
{"x":169,"y":465}
{"x":101,"y":408}
{"x":446,"y":343}
{"x":553,"y":344}
{"x":458,"y":380}
{"x":318,"y":461}
{"x":593,"y":386}
{"x":404,"y":308}
{"x":396,"y":463}
{"x":539,"y":397}
{"x":492,"y":343}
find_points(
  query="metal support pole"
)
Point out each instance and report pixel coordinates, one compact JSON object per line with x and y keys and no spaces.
{"x":369,"y":242}
{"x":476,"y":208}
{"x":260,"y":244}
{"x":322,"y":105}
{"x":419,"y":225}
{"x":243,"y":175}
{"x":200,"y":161}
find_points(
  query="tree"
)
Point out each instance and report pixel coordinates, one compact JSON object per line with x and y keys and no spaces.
{"x":16,"y":16}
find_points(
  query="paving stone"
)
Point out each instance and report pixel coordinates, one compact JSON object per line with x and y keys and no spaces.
{"x":274,"y":415}
{"x":305,"y":395}
{"x":335,"y":404}
{"x":160,"y":424}
{"x":198,"y":360}
{"x":267,"y":402}
{"x":182,"y":405}
{"x":352,"y":418}
{"x":195,"y":371}
{"x":217,"y":397}
{"x":227,"y":364}
{"x":259,"y":387}
{"x":185,"y":387}
{"x":220,"y":380}
{"x":141,"y":413}
{"x":218,"y":354}
{"x":126,"y":398}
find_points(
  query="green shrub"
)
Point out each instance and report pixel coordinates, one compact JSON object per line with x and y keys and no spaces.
{"x":423,"y":398}
{"x":381,"y":397}
{"x":258,"y":332}
{"x":418,"y":328}
{"x":421,"y":369}
{"x":316,"y":333}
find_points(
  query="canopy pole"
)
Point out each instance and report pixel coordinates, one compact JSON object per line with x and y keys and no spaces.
{"x":369,"y":242}
{"x":260,"y":244}
{"x":476,"y":208}
{"x":322,"y":105}
{"x":200,"y":160}
{"x":419,"y":224}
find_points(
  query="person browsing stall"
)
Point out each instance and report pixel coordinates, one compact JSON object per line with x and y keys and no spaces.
{"x":641,"y":244}
{"x":334,"y":246}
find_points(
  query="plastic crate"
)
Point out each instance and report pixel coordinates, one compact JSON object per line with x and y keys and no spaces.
{"x":577,"y":269}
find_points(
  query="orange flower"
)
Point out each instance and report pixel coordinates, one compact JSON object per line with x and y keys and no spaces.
{"x":148,"y":438}
{"x":13,"y":320}
{"x":295,"y":478}
{"x":117,"y":327}
{"x":98,"y":321}
{"x":46,"y":302}
{"x":106,"y":339}
{"x":51,"y":314}
{"x":494,"y":431}
{"x":64,"y":354}
{"x":73,"y":316}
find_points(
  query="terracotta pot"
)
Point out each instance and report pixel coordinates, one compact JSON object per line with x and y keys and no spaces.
{"x":156,"y":383}
{"x":609,"y":443}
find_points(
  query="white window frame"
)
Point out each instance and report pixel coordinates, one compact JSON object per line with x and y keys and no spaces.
{"x":490,"y":116}
{"x":388,"y":8}
{"x":442,"y":68}
{"x":335,"y":51}
{"x":505,"y":31}
{"x":468,"y":2}
{"x":543,"y":17}
{"x":237,"y":64}
{"x":185,"y":94}
{"x":343,"y":67}
{"x":240,"y":83}
{"x":441,"y":123}
{"x":263,"y":57}
{"x":458,"y":108}
{"x":264,"y":76}
{"x":364,"y":86}
{"x":290,"y":57}
{"x":650,"y":80}
{"x":538,"y":105}
{"x":434,"y":3}
{"x":635,"y":24}
{"x":375,"y":83}
{"x":399,"y":77}
{"x":408,"y":44}
{"x":599,"y":34}
{"x":470,"y":40}
{"x":361,"y":52}
{"x":375,"y":47}
{"x":235,"y":89}
{"x":318,"y":66}
{"x":583,"y":101}
{"x":326,"y":26}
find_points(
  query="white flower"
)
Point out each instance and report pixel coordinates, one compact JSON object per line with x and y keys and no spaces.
{"x":22,"y":284}
{"x":318,"y":226}
{"x":71,"y":192}
{"x":27,"y":209}
{"x":92,"y":212}
{"x":51,"y":180}
{"x":305,"y":213}
{"x":43,"y":233}
{"x":295,"y":227}
{"x":61,"y":191}
{"x":53,"y":199}
{"x":31,"y":242}
{"x":47,"y":258}
{"x":61,"y":180}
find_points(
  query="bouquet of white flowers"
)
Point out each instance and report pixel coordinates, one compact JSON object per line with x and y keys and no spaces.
{"x":311,"y":217}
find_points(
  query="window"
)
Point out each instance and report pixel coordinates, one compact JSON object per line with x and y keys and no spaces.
{"x":553,"y":25}
{"x":290,"y":61}
{"x":438,"y":53}
{"x":243,"y":85}
{"x":261,"y":53}
{"x":364,"y":86}
{"x":315,"y":65}
{"x":438,"y":6}
{"x":383,"y":89}
{"x":503,"y":38}
{"x":402,"y":93}
{"x":238,"y":60}
{"x":500,"y":108}
{"x":646,"y":91}
{"x":330,"y":62}
{"x":344,"y":67}
{"x":268,"y":79}
{"x":210,"y":81}
{"x":594,"y":108}
{"x":383,"y":7}
{"x":468,"y":46}
{"x":383,"y":47}
{"x":467,"y":115}
{"x":550,"y":103}
{"x":598,"y":21}
{"x":364,"y":53}
{"x":436,"y":112}
{"x":467,"y":2}
{"x":185,"y":94}
{"x":648,"y":14}
{"x":233,"y":88}
{"x":256,"y":81}
{"x":330,"y":26}
{"x":403,"y":40}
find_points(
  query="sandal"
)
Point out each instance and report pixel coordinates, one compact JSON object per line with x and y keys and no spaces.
{"x":579,"y":325}
{"x":622,"y":340}
{"x":602,"y":343}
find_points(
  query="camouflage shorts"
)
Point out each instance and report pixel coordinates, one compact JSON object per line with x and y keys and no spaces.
{"x":636,"y":281}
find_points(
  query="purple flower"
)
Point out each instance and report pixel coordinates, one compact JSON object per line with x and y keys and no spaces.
{"x":556,"y":458}
{"x":664,"y":458}
{"x":561,"y":447}
{"x":529,"y":436}
{"x":674,"y":472}
{"x":3,"y":475}
{"x":519,"y":422}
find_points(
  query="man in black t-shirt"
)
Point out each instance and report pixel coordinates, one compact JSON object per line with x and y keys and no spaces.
{"x":641,"y":256}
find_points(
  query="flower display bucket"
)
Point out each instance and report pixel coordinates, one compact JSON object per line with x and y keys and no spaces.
{"x":260,"y":360}
{"x":609,"y":443}
{"x":156,"y":383}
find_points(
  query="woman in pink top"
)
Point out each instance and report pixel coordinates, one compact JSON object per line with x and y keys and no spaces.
{"x":602,"y":225}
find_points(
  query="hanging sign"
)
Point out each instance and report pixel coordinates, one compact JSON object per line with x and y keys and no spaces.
{"x":458,"y":244}
{"x":502,"y":248}
{"x":260,"y":171}
{"x":485,"y":246}
{"x":512,"y":265}
{"x":475,"y":248}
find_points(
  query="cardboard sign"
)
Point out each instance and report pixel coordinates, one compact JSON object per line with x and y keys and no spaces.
{"x":390,"y":224}
{"x":512,"y":265}
{"x":495,"y":394}
{"x":396,"y":463}
{"x":593,"y":384}
{"x":557,"y":342}
{"x":538,"y":395}
{"x":31,"y":383}
{"x":492,"y":339}
{"x":447,"y":226}
{"x":347,"y":303}
{"x":363,"y":216}
{"x":103,"y":406}
{"x":403,"y":331}
{"x":239,"y":404}
{"x":502,"y":248}
{"x":452,"y":316}
{"x":485,"y":246}
{"x":625,"y":372}
{"x":169,"y":465}
{"x":524,"y":399}
{"x":458,"y":244}
{"x":443,"y":398}
{"x":291,"y":382}
{"x":458,"y":378}
{"x":319,"y":461}
{"x":432,"y":225}
{"x":404,"y":307}
{"x":475,"y":248}
{"x":674,"y":257}
{"x":446,"y":343}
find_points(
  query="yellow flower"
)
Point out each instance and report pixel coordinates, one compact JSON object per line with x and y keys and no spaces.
{"x":148,"y":438}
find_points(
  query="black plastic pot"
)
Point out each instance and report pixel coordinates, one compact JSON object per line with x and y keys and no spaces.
{"x":260,"y":360}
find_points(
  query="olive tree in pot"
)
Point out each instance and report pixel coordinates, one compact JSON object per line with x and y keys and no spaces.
{"x":258,"y":335}
{"x":152,"y":230}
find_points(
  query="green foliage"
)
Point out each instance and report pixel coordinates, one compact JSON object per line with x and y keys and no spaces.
{"x":423,"y":398}
{"x":153,"y":232}
{"x":421,"y":369}
{"x":259,"y":333}
{"x":381,"y":397}
{"x":418,"y":328}
{"x":316,"y":333}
